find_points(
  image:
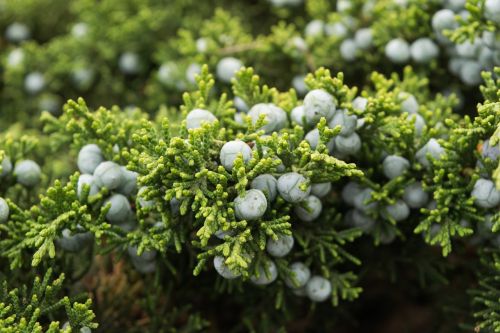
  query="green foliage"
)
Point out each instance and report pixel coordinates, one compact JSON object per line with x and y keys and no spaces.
{"x":27,"y":310}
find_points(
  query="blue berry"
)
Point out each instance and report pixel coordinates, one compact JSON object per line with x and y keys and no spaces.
{"x":318,"y":289}
{"x":87,"y":180}
{"x":250,"y":206}
{"x":266,"y":275}
{"x":309,"y":209}
{"x":399,"y":211}
{"x":423,"y":50}
{"x":280,"y":247}
{"x":394,"y":166}
{"x":290,"y":187}
{"x":301,"y":274}
{"x":6,"y":166}
{"x":432,"y":148}
{"x":198,"y":117}
{"x":321,"y":189}
{"x":348,"y":50}
{"x":233,"y":149}
{"x":34,"y":83}
{"x":346,"y":121}
{"x":28,"y":173}
{"x":267,"y":184}
{"x":4,"y":210}
{"x":275,"y":117}
{"x":119,"y":210}
{"x":223,"y":270}
{"x":108,"y":174}
{"x":89,"y":157}
{"x":17,"y":32}
{"x":363,"y":38}
{"x":317,"y":104}
{"x":129,"y":63}
{"x":347,"y":145}
{"x":398,"y":51}
{"x":485,"y":193}
{"x":415,"y":196}
{"x":227,"y":68}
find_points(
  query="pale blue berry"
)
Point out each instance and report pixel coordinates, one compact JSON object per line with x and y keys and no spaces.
{"x":358,"y":219}
{"x":240,"y":104}
{"x":485,"y":193}
{"x":108,"y":174}
{"x":89,"y":157}
{"x":318,"y":289}
{"x":17,"y":32}
{"x":274,"y":117}
{"x":394,"y":166}
{"x":348,"y":50}
{"x":387,"y":235}
{"x":6,"y":166}
{"x":280,"y":247}
{"x":15,"y":57}
{"x":431,"y":148}
{"x":144,"y":256}
{"x":129,"y":182}
{"x":468,"y":49}
{"x":455,"y":5}
{"x":363,"y":38}
{"x":298,"y":116}
{"x":321,"y":189}
{"x":267,"y":184}
{"x":266,"y":275}
{"x":309,"y":209}
{"x":398,"y":51}
{"x":73,"y":242}
{"x":250,"y":206}
{"x":197,"y":117}
{"x":119,"y":210}
{"x":313,"y":138}
{"x":301,"y":275}
{"x":492,"y":10}
{"x":423,"y":50}
{"x":489,"y":151}
{"x":290,"y":187}
{"x":470,"y":73}
{"x":359,"y":103}
{"x":87,"y":180}
{"x":398,"y":211}
{"x":28,"y":173}
{"x":314,"y":28}
{"x":192,"y":71}
{"x":4,"y":210}
{"x":34,"y":83}
{"x":227,"y":68}
{"x":347,"y":145}
{"x":82,"y":77}
{"x":201,"y":45}
{"x":409,"y":103}
{"x":415,"y":196}
{"x":337,"y":29}
{"x":129,"y":63}
{"x":363,"y":200}
{"x":444,"y":19}
{"x":299,"y":85}
{"x":317,"y":104}
{"x":350,"y":191}
{"x":143,"y":202}
{"x":223,"y":270}
{"x":79,"y":30}
{"x":231,"y":150}
{"x":346,"y":121}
